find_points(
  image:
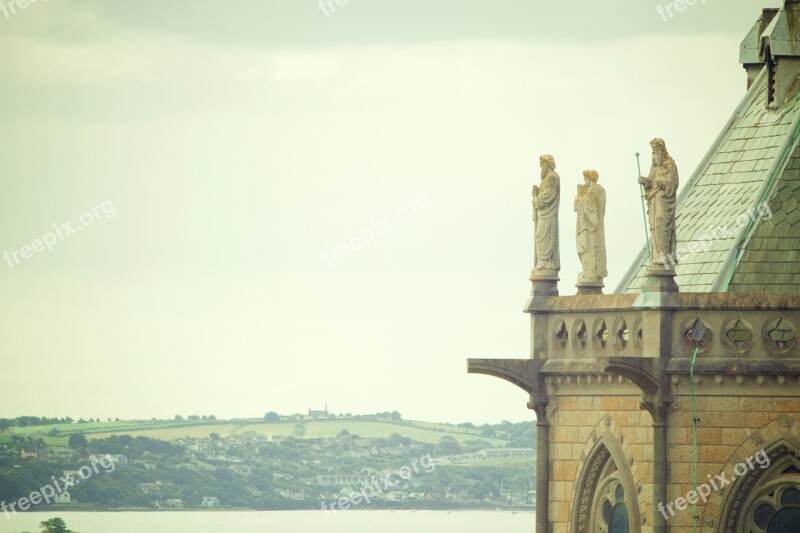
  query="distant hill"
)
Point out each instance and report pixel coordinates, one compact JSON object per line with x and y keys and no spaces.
{"x":277,"y":462}
{"x":299,"y":426}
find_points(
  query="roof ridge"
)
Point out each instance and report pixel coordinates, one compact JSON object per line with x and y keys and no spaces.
{"x":702,"y":167}
{"x":767,"y":189}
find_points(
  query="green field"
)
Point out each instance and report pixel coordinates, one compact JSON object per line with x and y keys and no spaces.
{"x":314,"y":428}
{"x":117,"y":427}
{"x":368,"y":429}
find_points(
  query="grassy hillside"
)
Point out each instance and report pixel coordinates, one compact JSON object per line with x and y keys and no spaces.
{"x":171,"y":430}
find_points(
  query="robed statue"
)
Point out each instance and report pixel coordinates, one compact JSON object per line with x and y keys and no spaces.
{"x":590,"y":206}
{"x":660,"y":191}
{"x":546,"y":199}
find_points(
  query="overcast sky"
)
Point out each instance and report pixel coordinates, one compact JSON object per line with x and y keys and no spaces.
{"x":231,"y":148}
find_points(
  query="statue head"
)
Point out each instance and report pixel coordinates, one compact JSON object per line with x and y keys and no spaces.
{"x":547,"y":162}
{"x":590,"y":176}
{"x":660,"y":153}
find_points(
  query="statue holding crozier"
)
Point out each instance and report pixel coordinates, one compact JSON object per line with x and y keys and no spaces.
{"x":660,"y":191}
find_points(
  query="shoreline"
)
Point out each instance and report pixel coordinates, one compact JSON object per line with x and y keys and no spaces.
{"x":248,"y":510}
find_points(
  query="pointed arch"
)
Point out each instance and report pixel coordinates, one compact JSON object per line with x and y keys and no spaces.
{"x":606,"y":490}
{"x":766,"y":486}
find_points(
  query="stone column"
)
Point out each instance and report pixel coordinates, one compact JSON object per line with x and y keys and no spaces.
{"x":658,"y":409}
{"x":542,"y":467}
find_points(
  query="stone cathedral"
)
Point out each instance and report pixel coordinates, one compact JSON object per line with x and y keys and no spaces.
{"x":673,"y":403}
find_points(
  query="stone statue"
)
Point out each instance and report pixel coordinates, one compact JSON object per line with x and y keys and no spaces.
{"x":546,"y":200}
{"x":590,"y":205}
{"x":660,"y":190}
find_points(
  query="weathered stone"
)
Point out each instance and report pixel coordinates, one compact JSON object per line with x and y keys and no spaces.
{"x":546,"y":202}
{"x":590,"y":206}
{"x":661,"y":190}
{"x":613,"y":378}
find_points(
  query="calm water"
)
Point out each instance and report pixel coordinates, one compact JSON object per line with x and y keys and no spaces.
{"x":282,"y":522}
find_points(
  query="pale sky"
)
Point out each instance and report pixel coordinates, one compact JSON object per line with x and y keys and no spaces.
{"x":237,"y":144}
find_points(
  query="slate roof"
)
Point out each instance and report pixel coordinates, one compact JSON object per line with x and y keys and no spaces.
{"x":771,"y":259}
{"x":746,"y":166}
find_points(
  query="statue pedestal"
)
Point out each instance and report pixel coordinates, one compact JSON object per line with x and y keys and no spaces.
{"x":545,"y":283}
{"x":590,"y":286}
{"x":660,"y":279}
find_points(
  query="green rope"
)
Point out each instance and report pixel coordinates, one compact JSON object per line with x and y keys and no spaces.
{"x":694,"y":440}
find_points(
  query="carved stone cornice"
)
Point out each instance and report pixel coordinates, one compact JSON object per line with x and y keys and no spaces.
{"x":737,"y":366}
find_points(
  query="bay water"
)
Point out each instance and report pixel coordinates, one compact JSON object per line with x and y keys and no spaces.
{"x":280,"y":522}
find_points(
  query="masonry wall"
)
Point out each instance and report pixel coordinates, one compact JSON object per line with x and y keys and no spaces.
{"x":727,"y":424}
{"x":748,"y":393}
{"x":729,"y":428}
{"x":579,"y":418}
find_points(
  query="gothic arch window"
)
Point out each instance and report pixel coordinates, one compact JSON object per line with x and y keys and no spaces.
{"x":768,"y":500}
{"x":605,"y":501}
{"x":777,"y":510}
{"x":610,"y":500}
